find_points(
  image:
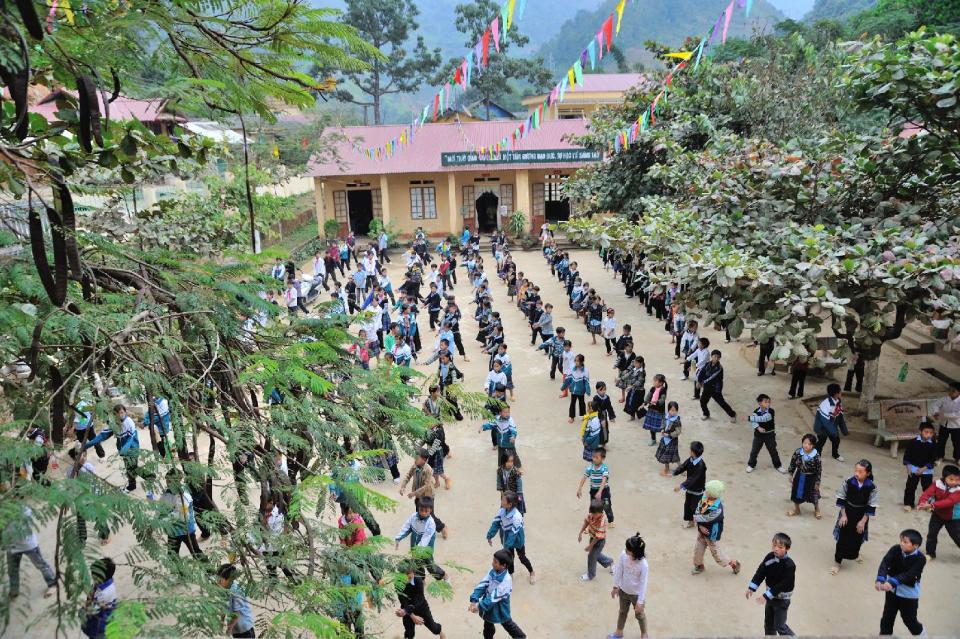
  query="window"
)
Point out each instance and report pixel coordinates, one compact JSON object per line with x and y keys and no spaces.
{"x":423,"y":203}
{"x":506,"y":197}
{"x":340,"y":209}
{"x":576,"y":114}
{"x":553,"y":191}
{"x":376,"y":198}
{"x":538,"y":207}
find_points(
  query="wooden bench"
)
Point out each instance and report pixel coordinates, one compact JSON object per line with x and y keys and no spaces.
{"x":898,"y":419}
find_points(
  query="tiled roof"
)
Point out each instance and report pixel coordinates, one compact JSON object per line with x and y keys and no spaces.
{"x":423,"y":154}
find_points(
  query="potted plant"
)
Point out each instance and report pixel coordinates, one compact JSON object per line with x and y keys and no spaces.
{"x":517,"y":223}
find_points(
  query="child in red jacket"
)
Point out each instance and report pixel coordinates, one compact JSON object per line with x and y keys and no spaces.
{"x":942,"y":498}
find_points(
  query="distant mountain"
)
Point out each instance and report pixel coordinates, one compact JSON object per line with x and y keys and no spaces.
{"x":838,"y":9}
{"x":541,"y":21}
{"x":666,"y":21}
{"x":795,"y":9}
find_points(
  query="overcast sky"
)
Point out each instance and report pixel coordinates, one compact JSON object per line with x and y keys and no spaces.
{"x":795,"y":9}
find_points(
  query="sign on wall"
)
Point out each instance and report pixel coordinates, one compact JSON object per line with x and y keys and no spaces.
{"x":542,"y":156}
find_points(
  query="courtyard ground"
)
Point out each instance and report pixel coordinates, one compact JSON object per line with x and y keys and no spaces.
{"x":678,"y":604}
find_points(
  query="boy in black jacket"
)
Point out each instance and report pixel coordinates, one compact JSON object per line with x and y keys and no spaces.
{"x":696,"y":470}
{"x":414,"y":608}
{"x":899,"y":577}
{"x":604,"y":412}
{"x":779,"y":571}
{"x":919,"y":458}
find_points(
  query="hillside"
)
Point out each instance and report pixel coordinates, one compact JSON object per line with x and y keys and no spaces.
{"x":437,"y":16}
{"x":838,"y":9}
{"x":667,"y":21}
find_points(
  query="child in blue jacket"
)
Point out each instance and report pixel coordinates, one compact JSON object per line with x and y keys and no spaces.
{"x":508,"y":522}
{"x":491,"y":598}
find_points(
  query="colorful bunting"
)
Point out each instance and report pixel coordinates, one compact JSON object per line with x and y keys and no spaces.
{"x":578,"y":72}
{"x":591,"y":51}
{"x":495,"y":29}
{"x":749,"y":6}
{"x":619,"y":10}
{"x":726,"y":22}
{"x":485,"y":46}
{"x":680,"y":55}
{"x":608,"y":31}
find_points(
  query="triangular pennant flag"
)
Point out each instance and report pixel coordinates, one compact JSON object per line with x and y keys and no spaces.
{"x":504,"y":19}
{"x":680,"y":55}
{"x":436,"y":106}
{"x":456,"y":75}
{"x":446,"y":96}
{"x":592,"y":52}
{"x":536,"y":119}
{"x":485,"y":46}
{"x":478,"y":55}
{"x":616,"y":145}
{"x":584,"y":58}
{"x":563,"y":87}
{"x":700,"y":47}
{"x":555,"y":94}
{"x":749,"y":6}
{"x":521,"y":7}
{"x":578,"y":72}
{"x":572,"y":78}
{"x":495,"y":30}
{"x":726,"y":22}
{"x":511,"y":4}
{"x":608,"y":31}
{"x":620,"y":6}
{"x":600,"y":42}
{"x":715,"y":31}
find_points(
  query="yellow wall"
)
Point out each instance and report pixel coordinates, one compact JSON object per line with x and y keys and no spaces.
{"x":395,"y":190}
{"x":586,"y":101}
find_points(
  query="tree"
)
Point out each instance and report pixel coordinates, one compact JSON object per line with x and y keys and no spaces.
{"x":84,"y":316}
{"x":495,"y":83}
{"x":801,"y":227}
{"x":387,"y":26}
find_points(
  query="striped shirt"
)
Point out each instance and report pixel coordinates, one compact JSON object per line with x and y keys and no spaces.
{"x":597,"y":525}
{"x":596,"y":475}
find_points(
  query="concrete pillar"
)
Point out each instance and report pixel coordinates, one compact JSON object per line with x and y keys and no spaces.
{"x":319,"y":204}
{"x":455,"y":217}
{"x":385,"y":198}
{"x":522,"y":201}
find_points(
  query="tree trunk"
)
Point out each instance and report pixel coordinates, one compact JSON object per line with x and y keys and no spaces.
{"x":376,"y":109}
{"x":871,"y":374}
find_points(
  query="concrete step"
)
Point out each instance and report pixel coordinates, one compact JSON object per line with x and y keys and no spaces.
{"x":909,"y":343}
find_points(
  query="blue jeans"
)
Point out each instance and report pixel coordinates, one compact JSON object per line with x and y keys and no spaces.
{"x":13,"y":568}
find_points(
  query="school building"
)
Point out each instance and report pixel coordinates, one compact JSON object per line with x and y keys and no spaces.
{"x":438,"y":183}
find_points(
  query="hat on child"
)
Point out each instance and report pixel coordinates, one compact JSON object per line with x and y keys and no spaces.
{"x":714,"y":488}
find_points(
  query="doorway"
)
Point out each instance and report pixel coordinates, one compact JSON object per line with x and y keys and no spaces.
{"x":487,"y":205}
{"x":556,"y":206}
{"x":360,"y":205}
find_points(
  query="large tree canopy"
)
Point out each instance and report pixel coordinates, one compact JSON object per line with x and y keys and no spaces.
{"x":802,"y":214}
{"x":85,"y":316}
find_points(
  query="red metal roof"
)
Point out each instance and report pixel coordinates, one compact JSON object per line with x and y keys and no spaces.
{"x":122,"y":108}
{"x":423,"y":154}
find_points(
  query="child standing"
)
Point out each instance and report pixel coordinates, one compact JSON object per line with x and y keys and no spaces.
{"x":577,"y":380}
{"x":505,"y":430}
{"x":239,"y":614}
{"x":762,"y":420}
{"x":805,"y":470}
{"x":604,"y":412}
{"x":942,"y":499}
{"x":599,"y":476}
{"x":710,"y":378}
{"x":899,"y":577}
{"x":779,"y":571}
{"x":608,"y":329}
{"x":509,"y":477}
{"x":709,"y":520}
{"x":554,"y":347}
{"x":655,"y":403}
{"x":624,"y":365}
{"x":857,"y":499}
{"x":491,"y":598}
{"x":595,"y":525}
{"x":919,"y":458}
{"x":414,"y":609}
{"x":422,"y":529}
{"x":699,"y":359}
{"x":630,"y":585}
{"x":636,"y":380}
{"x":508,"y":523}
{"x":21,"y":540}
{"x":829,"y":421}
{"x":693,"y":485}
{"x":103,"y":600}
{"x":668,"y":452}
{"x":506,"y":366}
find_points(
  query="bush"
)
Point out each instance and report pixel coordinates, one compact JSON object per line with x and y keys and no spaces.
{"x":517,"y":224}
{"x":331,"y":228}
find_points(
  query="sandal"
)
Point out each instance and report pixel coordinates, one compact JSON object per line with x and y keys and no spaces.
{"x":818,"y":515}
{"x":792,"y":513}
{"x":734,"y":565}
{"x":835,"y":570}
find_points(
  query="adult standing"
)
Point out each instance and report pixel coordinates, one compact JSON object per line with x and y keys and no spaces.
{"x":383,"y":241}
{"x":947,"y":409}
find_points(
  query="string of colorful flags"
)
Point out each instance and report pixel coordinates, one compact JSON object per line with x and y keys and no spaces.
{"x":591,"y":55}
{"x":629,"y":134}
{"x":475,"y":62}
